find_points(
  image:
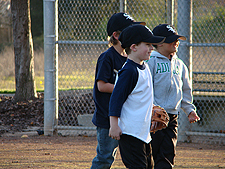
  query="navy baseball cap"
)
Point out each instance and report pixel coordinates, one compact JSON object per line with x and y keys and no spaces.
{"x":138,"y":33}
{"x":167,"y":31}
{"x":119,"y":21}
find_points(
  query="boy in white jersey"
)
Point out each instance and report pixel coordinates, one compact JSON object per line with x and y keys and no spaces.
{"x":108,"y":63}
{"x":130,"y":107}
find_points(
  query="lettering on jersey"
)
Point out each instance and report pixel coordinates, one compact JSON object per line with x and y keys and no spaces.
{"x":170,"y":28}
{"x":176,"y":70}
{"x":162,"y":68}
{"x":128,"y":17}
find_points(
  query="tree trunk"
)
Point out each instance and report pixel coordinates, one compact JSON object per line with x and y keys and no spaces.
{"x":23,"y":50}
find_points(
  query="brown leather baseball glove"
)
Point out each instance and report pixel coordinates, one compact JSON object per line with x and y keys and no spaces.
{"x":160,"y":119}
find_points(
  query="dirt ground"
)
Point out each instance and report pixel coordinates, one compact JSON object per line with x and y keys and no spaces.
{"x":77,"y":152}
{"x":58,"y":152}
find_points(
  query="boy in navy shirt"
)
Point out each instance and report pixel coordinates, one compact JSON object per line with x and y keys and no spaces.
{"x":108,"y":64}
{"x":130,"y":107}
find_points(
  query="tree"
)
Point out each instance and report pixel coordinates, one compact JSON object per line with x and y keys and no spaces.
{"x":23,"y":50}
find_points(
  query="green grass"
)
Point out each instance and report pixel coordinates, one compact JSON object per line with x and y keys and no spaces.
{"x":8,"y":85}
{"x":77,"y":80}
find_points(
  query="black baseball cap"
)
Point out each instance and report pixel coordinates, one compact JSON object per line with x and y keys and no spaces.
{"x":138,"y":33}
{"x":119,"y":21}
{"x":167,"y":31}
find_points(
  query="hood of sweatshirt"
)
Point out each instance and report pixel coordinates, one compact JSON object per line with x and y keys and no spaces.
{"x":171,"y":85}
{"x":157,"y":54}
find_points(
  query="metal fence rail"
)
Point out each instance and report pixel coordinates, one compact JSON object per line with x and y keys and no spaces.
{"x":209,"y":81}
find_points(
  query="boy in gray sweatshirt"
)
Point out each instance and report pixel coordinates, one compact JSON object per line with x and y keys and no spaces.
{"x":172,"y":91}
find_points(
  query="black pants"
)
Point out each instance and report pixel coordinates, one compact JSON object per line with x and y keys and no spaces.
{"x":164,"y":144}
{"x":135,"y":153}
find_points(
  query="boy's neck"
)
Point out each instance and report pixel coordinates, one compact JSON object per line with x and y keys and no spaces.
{"x":135,"y":59}
{"x":166,"y":54}
{"x":120,"y":50}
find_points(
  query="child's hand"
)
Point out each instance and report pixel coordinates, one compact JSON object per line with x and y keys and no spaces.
{"x":193,"y":117}
{"x":115,"y":132}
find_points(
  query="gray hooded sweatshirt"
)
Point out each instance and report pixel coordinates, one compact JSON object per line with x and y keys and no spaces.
{"x":171,"y":83}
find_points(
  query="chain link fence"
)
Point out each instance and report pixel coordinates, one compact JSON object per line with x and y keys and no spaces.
{"x":208,"y":75}
{"x":81,"y":38}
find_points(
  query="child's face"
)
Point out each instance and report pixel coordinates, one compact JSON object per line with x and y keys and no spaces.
{"x":144,"y":50}
{"x":172,"y":47}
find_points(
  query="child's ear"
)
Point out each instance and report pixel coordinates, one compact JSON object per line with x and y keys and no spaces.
{"x":133,"y":47}
{"x":116,"y":35}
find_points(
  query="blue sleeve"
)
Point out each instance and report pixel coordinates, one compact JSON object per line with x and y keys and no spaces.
{"x":127,"y":80}
{"x":104,"y":69}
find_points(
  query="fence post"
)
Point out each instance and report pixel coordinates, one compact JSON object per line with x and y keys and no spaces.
{"x":123,"y":6}
{"x":170,"y":12}
{"x":184,"y":28}
{"x":50,"y":68}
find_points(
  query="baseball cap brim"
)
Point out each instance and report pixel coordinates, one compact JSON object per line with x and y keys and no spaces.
{"x":173,"y":38}
{"x":154,"y":40}
{"x":141,"y":23}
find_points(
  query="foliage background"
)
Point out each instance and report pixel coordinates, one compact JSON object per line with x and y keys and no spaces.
{"x":84,"y":20}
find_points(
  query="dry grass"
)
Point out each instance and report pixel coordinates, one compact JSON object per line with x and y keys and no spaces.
{"x":76,"y":67}
{"x":7,"y":64}
{"x":7,"y":69}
